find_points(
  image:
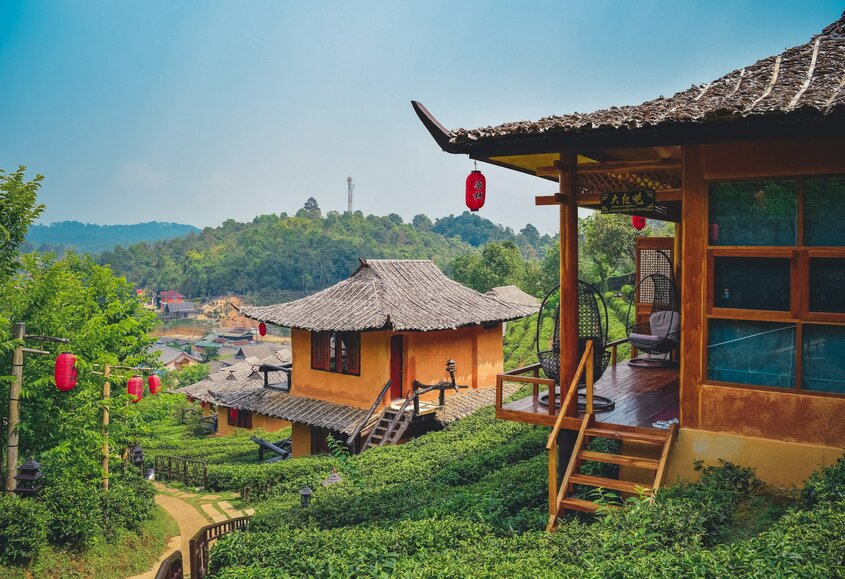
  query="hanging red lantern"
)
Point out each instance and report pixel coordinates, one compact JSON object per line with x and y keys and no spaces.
{"x":135,"y":388}
{"x":204,"y":404}
{"x":233,"y":415}
{"x":65,"y":372}
{"x":476,"y":190}
{"x":262,"y":329}
{"x":638,"y":222}
{"x":154,"y":382}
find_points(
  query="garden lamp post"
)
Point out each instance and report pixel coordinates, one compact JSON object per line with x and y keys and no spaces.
{"x":13,"y":438}
{"x":305,"y":496}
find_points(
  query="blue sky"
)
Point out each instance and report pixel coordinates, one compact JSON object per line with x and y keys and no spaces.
{"x":201,"y":111}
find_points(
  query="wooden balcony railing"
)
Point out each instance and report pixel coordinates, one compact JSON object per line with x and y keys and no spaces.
{"x":584,"y":366}
{"x":535,"y":381}
{"x":613,"y":346}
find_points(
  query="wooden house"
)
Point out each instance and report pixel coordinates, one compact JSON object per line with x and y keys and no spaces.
{"x":179,"y":311}
{"x":751,"y":169}
{"x":365,"y":343}
{"x":173,"y":359}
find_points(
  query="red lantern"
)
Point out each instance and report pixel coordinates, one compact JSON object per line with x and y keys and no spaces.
{"x":476,"y":190}
{"x":154,"y":382}
{"x":135,"y":388}
{"x":203,"y":403}
{"x":638,"y":222}
{"x":233,"y":415}
{"x":262,"y":329}
{"x":65,"y":372}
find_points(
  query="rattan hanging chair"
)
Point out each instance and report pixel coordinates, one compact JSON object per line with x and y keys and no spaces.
{"x":661,"y":334}
{"x":592,"y":325}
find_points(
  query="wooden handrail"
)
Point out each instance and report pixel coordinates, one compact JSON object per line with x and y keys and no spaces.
{"x":350,"y":442}
{"x":200,"y":542}
{"x":171,"y":568}
{"x":535,"y":381}
{"x":523,"y":370}
{"x":572,"y":393}
{"x":613,"y":345}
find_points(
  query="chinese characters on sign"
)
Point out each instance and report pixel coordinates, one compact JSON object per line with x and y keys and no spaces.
{"x":627,"y":201}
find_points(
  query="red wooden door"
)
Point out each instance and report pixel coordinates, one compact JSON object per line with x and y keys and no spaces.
{"x":396,"y":351}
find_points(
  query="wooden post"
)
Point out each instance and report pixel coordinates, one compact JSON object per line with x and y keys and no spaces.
{"x":589,"y":369}
{"x":106,"y":397}
{"x":568,"y":271}
{"x":553,"y":504}
{"x":14,"y":408}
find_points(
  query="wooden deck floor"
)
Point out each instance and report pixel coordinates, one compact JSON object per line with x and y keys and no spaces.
{"x":642,"y":396}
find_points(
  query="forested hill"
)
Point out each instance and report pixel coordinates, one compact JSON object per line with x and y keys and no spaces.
{"x":91,"y":238}
{"x":306,"y":251}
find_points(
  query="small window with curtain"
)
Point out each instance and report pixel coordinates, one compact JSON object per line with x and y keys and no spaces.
{"x":338,"y":352}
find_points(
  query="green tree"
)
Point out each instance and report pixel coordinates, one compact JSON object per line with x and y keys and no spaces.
{"x":497,"y":264}
{"x":19,"y":208}
{"x":607,"y":246}
{"x":310,"y":210}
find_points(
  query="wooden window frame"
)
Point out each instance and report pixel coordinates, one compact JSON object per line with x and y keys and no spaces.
{"x":321,"y":352}
{"x":799,"y":313}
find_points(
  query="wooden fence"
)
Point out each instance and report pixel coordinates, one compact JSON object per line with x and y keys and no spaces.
{"x":188,"y":472}
{"x":202,"y":540}
{"x":171,"y":568}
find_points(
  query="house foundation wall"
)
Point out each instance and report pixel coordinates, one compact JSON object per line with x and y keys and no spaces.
{"x":776,"y":462}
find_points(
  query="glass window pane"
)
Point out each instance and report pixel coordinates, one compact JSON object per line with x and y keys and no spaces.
{"x":824,"y":212}
{"x":757,"y":353}
{"x":824,"y":358}
{"x":753,"y":213}
{"x":827,"y":284}
{"x":751,"y":283}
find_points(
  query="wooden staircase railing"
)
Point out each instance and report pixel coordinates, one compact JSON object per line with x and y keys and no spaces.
{"x":201,"y":541}
{"x":350,"y":442}
{"x":396,"y":426}
{"x":551,"y":445}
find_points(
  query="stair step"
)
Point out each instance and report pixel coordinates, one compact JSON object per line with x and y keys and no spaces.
{"x":656,"y":438}
{"x":620,"y":459}
{"x":609,"y":483}
{"x":573,"y":504}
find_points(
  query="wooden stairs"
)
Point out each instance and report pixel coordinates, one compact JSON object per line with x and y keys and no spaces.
{"x":655,"y":468}
{"x":390,"y":427}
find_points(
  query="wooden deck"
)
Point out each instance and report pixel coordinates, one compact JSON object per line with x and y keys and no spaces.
{"x":642,"y":396}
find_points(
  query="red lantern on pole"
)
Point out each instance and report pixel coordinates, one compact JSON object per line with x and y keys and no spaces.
{"x":262,"y":329}
{"x":476,"y":190}
{"x":154,"y":382}
{"x":638,"y":222}
{"x":65,"y":372}
{"x":135,"y":388}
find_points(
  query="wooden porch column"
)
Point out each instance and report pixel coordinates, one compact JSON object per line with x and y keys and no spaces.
{"x":568,"y":271}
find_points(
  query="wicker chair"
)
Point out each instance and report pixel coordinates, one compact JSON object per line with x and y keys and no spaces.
{"x":661,"y":334}
{"x":592,"y":325}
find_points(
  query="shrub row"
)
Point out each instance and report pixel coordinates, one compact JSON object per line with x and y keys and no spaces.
{"x":72,"y":514}
{"x":672,"y":536}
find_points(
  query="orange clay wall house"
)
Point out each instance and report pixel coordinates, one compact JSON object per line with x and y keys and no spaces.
{"x":364,"y":347}
{"x":750,"y":168}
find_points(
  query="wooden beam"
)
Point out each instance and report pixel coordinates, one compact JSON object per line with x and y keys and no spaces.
{"x":569,"y":271}
{"x":629,"y":166}
{"x":555,"y":199}
{"x":547,"y":172}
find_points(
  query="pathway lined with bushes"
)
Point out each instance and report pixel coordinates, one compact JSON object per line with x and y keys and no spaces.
{"x":180,"y":506}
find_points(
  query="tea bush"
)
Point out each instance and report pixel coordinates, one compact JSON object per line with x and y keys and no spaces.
{"x":129,"y":502}
{"x":71,"y":503}
{"x":23,"y":528}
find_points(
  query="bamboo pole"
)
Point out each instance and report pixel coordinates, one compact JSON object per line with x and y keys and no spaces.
{"x":13,"y":439}
{"x":106,"y":397}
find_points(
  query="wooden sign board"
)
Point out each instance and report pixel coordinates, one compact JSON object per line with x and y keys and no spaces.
{"x":628,"y":201}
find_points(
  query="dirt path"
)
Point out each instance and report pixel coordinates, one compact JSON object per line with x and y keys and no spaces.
{"x":189,"y":520}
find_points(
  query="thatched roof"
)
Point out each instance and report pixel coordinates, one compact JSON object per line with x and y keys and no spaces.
{"x":514,"y":295}
{"x":286,"y":406}
{"x":238,"y":377}
{"x":402,"y":295}
{"x":805,"y":82}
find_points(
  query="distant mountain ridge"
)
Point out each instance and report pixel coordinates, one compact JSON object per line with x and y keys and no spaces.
{"x":93,"y":238}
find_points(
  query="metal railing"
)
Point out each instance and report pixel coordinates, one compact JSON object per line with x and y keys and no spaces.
{"x":185,"y":470}
{"x":171,"y":568}
{"x":199,"y":544}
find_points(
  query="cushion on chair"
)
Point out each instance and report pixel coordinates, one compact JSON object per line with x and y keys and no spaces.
{"x":665,"y":323}
{"x":643,"y":338}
